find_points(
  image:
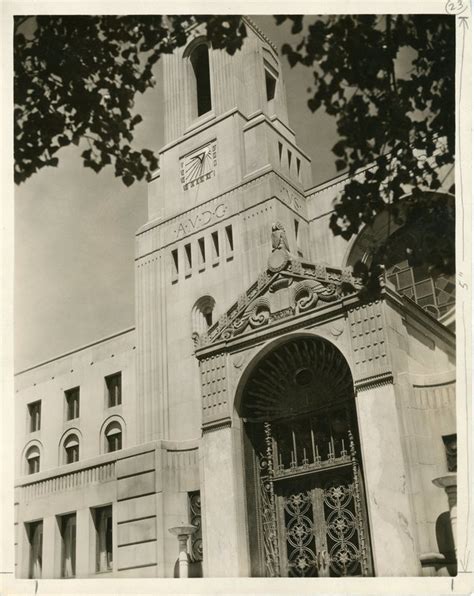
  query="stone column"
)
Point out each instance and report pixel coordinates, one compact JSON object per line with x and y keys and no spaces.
{"x":223,"y":492}
{"x":183,"y":533}
{"x":450,"y":485}
{"x":391,"y":521}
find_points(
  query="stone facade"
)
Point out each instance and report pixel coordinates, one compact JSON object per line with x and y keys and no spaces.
{"x":235,"y":265}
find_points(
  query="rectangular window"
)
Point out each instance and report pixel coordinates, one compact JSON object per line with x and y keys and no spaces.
{"x":280,"y":150}
{"x":298,"y":168}
{"x":290,"y":155}
{"x":189,"y":258}
{"x":103,"y":533}
{"x":202,"y":251}
{"x":72,"y":452}
{"x":72,"y":403}
{"x":270,"y":84}
{"x":174,"y":264}
{"x":229,"y":241}
{"x":34,"y":531}
{"x":215,"y":245}
{"x":34,"y":411}
{"x":114,"y":389}
{"x":297,"y":238}
{"x":67,"y":527}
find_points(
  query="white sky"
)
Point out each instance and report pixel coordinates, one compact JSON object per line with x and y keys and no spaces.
{"x":74,"y":229}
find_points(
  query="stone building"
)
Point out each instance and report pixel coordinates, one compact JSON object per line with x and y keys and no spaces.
{"x":258,"y":398}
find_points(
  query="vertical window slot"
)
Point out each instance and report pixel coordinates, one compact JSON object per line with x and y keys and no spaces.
{"x":229,"y":242}
{"x":270,"y":84}
{"x":200,"y":64}
{"x":290,"y":155}
{"x":298,"y":168}
{"x":202,"y":253}
{"x":297,"y":238}
{"x":189,"y":260}
{"x":174,"y":265}
{"x":215,"y":246}
{"x":280,"y":151}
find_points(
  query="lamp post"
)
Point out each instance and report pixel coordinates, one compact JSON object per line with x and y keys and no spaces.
{"x":183,"y":532}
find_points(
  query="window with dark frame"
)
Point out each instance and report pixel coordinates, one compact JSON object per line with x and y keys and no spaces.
{"x":33,"y":460}
{"x":34,"y":411}
{"x":200,"y":64}
{"x":113,"y":437}
{"x":270,"y":85}
{"x":114,"y":389}
{"x":67,"y":527}
{"x":103,"y":529}
{"x":72,"y":403}
{"x":71,"y":449}
{"x":34,"y":532}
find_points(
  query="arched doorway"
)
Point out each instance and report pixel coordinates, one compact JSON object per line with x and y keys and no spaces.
{"x":305,"y":492}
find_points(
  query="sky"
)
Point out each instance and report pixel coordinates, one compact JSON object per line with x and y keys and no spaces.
{"x":75,"y":229}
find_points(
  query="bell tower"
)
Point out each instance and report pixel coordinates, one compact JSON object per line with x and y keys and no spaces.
{"x":230,"y":168}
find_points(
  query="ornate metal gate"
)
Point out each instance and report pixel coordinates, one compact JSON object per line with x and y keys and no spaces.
{"x":313,"y":518}
{"x":306,"y":497}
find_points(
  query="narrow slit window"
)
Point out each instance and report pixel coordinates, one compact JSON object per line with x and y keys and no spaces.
{"x":175,"y":262}
{"x":290,"y":155}
{"x":229,"y":239}
{"x":297,"y":238}
{"x":280,"y":150}
{"x":34,"y":411}
{"x":72,"y":403}
{"x":200,"y":64}
{"x":189,"y":260}
{"x":215,"y":244}
{"x":114,"y":389}
{"x":298,"y":167}
{"x":270,"y":84}
{"x":202,"y":251}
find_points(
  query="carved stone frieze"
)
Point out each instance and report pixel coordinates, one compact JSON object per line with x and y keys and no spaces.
{"x":297,"y":287}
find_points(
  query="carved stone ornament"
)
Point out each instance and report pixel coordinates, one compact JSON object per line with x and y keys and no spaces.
{"x":297,"y":287}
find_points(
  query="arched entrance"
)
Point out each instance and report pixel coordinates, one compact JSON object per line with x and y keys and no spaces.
{"x":305,"y":493}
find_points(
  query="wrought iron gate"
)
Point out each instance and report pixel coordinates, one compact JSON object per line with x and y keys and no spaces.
{"x":313,"y":519}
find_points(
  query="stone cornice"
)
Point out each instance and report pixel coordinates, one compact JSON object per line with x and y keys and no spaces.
{"x":378,"y":380}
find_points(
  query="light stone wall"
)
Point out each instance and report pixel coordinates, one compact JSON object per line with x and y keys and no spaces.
{"x":85,"y":368}
{"x":147,"y":487}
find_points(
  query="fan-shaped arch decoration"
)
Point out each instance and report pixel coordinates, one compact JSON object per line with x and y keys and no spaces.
{"x":297,"y":377}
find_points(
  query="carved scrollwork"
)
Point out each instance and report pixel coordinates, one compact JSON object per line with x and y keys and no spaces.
{"x":259,"y":314}
{"x":305,"y":295}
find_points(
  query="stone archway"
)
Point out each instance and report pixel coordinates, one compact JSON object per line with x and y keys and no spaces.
{"x":305,"y":490}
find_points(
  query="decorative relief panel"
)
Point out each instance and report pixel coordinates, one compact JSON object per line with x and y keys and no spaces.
{"x":214,"y":388}
{"x":288,"y":287}
{"x":368,"y":341}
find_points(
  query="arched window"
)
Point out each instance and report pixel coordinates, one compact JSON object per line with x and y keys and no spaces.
{"x":202,"y":314}
{"x":200,"y":65}
{"x":71,"y":449}
{"x":113,"y":437}
{"x":33,"y":460}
